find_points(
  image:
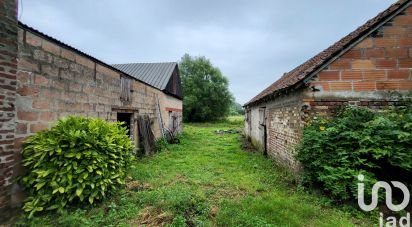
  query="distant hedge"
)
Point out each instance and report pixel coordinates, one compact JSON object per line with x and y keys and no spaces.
{"x":78,"y":160}
{"x":377,"y":144}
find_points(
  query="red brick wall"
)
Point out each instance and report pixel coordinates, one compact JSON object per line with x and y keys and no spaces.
{"x":375,"y":73}
{"x":8,"y":67}
{"x":380,"y":62}
{"x":53,"y":82}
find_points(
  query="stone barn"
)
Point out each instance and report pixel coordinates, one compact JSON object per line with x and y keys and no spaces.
{"x":372,"y":67}
{"x":165,"y":77}
{"x":43,"y":80}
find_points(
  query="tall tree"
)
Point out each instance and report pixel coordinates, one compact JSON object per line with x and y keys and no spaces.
{"x":206,"y":92}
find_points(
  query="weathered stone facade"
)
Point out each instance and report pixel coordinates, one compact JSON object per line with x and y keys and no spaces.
{"x":284,"y":121}
{"x":8,"y":69}
{"x":54,"y":82}
{"x":376,"y":71}
{"x":43,"y":80}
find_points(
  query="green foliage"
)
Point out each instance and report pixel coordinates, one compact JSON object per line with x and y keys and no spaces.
{"x":207,"y":95}
{"x":358,"y":141}
{"x":161,"y":144}
{"x":236,"y":109}
{"x":79,"y":160}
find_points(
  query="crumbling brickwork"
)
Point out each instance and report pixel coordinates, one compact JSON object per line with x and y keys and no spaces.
{"x":8,"y":68}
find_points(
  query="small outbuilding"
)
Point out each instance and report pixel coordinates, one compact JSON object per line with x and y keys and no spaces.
{"x":165,"y":77}
{"x":372,"y":67}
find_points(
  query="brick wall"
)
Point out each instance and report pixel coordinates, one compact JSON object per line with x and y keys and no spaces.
{"x":54,"y":81}
{"x":375,"y":73}
{"x":284,"y":121}
{"x":284,"y":126}
{"x":171,"y":107}
{"x":8,"y":67}
{"x":381,"y":62}
{"x":41,"y":81}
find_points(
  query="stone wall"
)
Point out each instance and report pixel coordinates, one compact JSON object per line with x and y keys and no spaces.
{"x":54,"y":81}
{"x":8,"y":67}
{"x":43,"y":80}
{"x":284,"y":128}
{"x":171,"y":107}
{"x":375,"y":73}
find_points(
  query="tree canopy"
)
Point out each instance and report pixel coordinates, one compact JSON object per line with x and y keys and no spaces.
{"x":206,"y":92}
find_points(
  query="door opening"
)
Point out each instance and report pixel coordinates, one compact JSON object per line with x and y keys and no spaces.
{"x":263,"y":129}
{"x":265,"y":141}
{"x":127,"y":119}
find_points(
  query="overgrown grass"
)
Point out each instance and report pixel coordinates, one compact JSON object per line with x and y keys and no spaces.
{"x":207,"y":180}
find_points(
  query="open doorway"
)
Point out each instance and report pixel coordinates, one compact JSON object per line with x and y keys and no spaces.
{"x":263,"y":129}
{"x":126,"y":118}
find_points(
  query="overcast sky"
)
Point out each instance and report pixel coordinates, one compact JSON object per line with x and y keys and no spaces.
{"x":253,"y":42}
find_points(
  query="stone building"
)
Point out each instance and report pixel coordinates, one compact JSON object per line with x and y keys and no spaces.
{"x":165,"y":77}
{"x":372,"y":66}
{"x":43,"y":80}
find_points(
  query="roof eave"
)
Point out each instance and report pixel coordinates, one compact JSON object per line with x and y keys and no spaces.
{"x":305,"y":80}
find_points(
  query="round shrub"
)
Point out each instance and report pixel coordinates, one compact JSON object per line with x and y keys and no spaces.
{"x":79,"y":160}
{"x":377,"y":144}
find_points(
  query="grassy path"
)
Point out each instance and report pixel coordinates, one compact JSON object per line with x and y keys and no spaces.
{"x":207,"y":180}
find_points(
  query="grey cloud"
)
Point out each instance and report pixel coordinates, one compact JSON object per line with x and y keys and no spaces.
{"x":252,"y":42}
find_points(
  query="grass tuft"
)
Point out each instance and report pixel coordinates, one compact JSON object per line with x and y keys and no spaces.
{"x":208,"y":180}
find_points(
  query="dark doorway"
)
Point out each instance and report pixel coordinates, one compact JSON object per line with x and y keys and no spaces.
{"x":127,"y":119}
{"x":265,"y":141}
{"x":262,"y":127}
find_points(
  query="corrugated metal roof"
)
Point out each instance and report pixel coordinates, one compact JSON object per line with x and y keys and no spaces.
{"x":155,"y":74}
{"x":304,"y":70}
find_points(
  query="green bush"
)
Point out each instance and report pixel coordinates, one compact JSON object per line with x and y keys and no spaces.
{"x":358,"y":141}
{"x":79,"y":160}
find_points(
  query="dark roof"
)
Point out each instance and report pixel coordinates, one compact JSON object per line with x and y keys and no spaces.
{"x":305,"y":70}
{"x":155,"y":74}
{"x":61,"y":44}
